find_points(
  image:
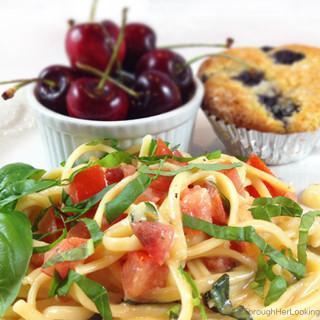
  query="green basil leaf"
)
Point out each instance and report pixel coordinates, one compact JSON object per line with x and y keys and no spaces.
{"x":305,"y":224}
{"x":94,"y":291}
{"x":17,"y":172}
{"x":19,"y":189}
{"x":266,"y":208}
{"x":153,"y":147}
{"x":82,"y":207}
{"x":43,"y":249}
{"x":247,"y":234}
{"x":200,"y":166}
{"x":154,"y":159}
{"x":94,"y":230}
{"x":195,"y":292}
{"x":225,"y":200}
{"x":127,"y":196}
{"x":113,"y":159}
{"x":15,"y":254}
{"x":173,"y":313}
{"x":114,"y":143}
{"x":217,"y":300}
{"x":261,"y":277}
{"x":75,"y":254}
{"x":277,"y":287}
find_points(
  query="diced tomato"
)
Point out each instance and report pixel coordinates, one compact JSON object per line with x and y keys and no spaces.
{"x":37,"y":260}
{"x":128,"y":170}
{"x":219,"y":215}
{"x":80,"y":230}
{"x":196,"y":202}
{"x":148,"y":195}
{"x":203,"y":203}
{"x":105,"y":225}
{"x":257,"y":163}
{"x":86,"y":184}
{"x":114,"y":175}
{"x":140,"y":273}
{"x":233,"y":175}
{"x":163,"y":150}
{"x":63,"y":267}
{"x":155,"y":237}
{"x":248,"y":248}
{"x":219,"y":264}
{"x":157,"y":191}
{"x":50,"y":223}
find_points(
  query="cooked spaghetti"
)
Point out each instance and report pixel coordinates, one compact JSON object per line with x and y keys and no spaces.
{"x":151,"y":233}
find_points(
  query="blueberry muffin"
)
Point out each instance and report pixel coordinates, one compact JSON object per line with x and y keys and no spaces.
{"x":266,"y":89}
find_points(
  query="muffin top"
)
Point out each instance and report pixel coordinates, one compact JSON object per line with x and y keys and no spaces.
{"x":265,"y":89}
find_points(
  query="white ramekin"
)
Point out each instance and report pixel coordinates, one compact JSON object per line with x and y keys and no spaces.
{"x":62,"y":134}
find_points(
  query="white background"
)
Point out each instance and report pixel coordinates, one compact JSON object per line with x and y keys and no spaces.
{"x":32,"y":36}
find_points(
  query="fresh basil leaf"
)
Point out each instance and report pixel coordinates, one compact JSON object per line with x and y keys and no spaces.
{"x":278,"y":286}
{"x":15,"y":254}
{"x":225,"y":200}
{"x":94,"y":291}
{"x":247,"y":234}
{"x":127,"y":196}
{"x":43,"y":249}
{"x":217,"y":300}
{"x":114,"y":143}
{"x":173,"y":313}
{"x":82,"y":207}
{"x":94,"y":230}
{"x":19,"y":189}
{"x":75,"y":254}
{"x":17,"y":172}
{"x":261,"y":276}
{"x":305,"y":224}
{"x":200,"y":166}
{"x":266,"y":208}
{"x":114,"y":158}
{"x":153,"y":147}
{"x":195,"y":292}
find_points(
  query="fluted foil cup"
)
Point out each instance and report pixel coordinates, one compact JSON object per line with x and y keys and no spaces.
{"x":273,"y":148}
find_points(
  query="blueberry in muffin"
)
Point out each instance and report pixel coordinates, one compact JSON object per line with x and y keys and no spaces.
{"x":278,"y":91}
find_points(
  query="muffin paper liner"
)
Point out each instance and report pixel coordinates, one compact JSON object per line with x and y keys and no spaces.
{"x":273,"y":148}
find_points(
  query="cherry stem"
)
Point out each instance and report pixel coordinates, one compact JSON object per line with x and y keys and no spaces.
{"x":93,"y":11}
{"x":227,"y":45}
{"x":9,"y":93}
{"x":222,"y":55}
{"x":115,"y":51}
{"x":110,"y":79}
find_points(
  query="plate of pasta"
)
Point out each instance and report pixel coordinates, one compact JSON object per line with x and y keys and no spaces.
{"x":151,"y":232}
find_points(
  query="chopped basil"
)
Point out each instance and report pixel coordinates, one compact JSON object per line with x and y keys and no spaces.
{"x":83,"y":206}
{"x":173,"y":313}
{"x":113,"y":159}
{"x":114,"y":143}
{"x":93,"y":290}
{"x":305,"y":224}
{"x":217,"y":300}
{"x":127,"y":196}
{"x":15,"y":254}
{"x":200,"y":166}
{"x":247,"y":234}
{"x":266,"y":208}
{"x":225,"y":200}
{"x":48,"y":247}
{"x":195,"y":292}
{"x":94,"y":230}
{"x":75,"y":254}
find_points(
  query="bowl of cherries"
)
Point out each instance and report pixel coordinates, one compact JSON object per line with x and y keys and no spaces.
{"x":118,"y":84}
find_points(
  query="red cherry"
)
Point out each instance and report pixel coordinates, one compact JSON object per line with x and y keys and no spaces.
{"x":170,"y":63}
{"x":86,"y":101}
{"x":139,"y":39}
{"x":88,"y":44}
{"x":54,"y":97}
{"x":157,"y":94}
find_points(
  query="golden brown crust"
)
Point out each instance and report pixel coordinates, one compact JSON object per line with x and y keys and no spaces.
{"x":296,"y":86}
